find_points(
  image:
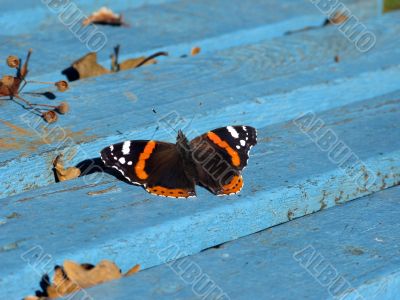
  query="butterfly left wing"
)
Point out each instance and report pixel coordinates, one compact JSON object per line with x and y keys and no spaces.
{"x":220,"y":156}
{"x":124,"y":157}
{"x":155,"y":165}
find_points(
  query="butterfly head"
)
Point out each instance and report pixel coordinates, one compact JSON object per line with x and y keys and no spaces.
{"x":181,"y":139}
{"x":182,"y":143}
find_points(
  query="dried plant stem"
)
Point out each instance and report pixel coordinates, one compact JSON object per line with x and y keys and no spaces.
{"x":24,"y":70}
{"x":39,"y":82}
{"x":29,"y":105}
{"x":46,"y":105}
{"x":152,"y":57}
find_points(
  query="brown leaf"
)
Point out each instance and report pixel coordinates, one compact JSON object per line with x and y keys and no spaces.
{"x":62,"y":285}
{"x":104,"y":16}
{"x":87,"y":66}
{"x":104,"y":271}
{"x":62,"y":173}
{"x":72,"y":277}
{"x":136,"y":62}
{"x":132,"y":271}
{"x":140,"y":61}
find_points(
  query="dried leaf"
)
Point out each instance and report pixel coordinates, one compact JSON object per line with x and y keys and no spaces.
{"x":132,"y":271}
{"x":104,"y":16}
{"x":136,"y":62}
{"x":72,"y":277}
{"x":62,"y":285}
{"x":87,"y":66}
{"x":141,"y":61}
{"x":104,"y":271}
{"x":62,"y":173}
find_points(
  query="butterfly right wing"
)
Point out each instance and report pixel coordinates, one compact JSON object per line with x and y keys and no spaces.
{"x":221,"y":155}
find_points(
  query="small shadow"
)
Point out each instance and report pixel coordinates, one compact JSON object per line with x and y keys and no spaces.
{"x":71,"y":73}
{"x":48,"y":95}
{"x":219,"y":246}
{"x":96,"y":165}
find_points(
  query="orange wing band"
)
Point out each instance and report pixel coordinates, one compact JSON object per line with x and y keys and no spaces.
{"x":145,"y":155}
{"x":232,"y":153}
{"x":166,"y":192}
{"x":232,"y":187}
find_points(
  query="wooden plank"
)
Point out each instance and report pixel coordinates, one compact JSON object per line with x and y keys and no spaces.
{"x":288,"y":177}
{"x":25,"y":16}
{"x":347,"y":252}
{"x":174,"y":87}
{"x":184,"y":24}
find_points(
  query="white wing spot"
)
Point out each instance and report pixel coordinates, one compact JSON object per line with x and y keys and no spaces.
{"x":122,"y":160}
{"x":129,"y":163}
{"x":115,"y":158}
{"x":242,"y":142}
{"x":112,"y":148}
{"x":126,"y":147}
{"x":244,"y":128}
{"x":237,"y":147}
{"x":233,"y":132}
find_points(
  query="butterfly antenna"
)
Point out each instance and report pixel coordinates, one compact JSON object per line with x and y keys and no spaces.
{"x":154,"y":133}
{"x":190,"y":122}
{"x":187,"y":127}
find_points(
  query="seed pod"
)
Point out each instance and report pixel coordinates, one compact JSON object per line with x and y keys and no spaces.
{"x":7,"y":80}
{"x":62,"y":108}
{"x":61,"y":85}
{"x":50,"y":116}
{"x":13,"y":61}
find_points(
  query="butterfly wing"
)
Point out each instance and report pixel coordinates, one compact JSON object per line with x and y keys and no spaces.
{"x":155,"y":165}
{"x":220,"y":156}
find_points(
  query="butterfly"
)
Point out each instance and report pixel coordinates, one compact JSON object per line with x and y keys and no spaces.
{"x":214,"y":160}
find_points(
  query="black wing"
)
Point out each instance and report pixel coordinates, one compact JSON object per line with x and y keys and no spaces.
{"x":220,"y":156}
{"x":155,"y":165}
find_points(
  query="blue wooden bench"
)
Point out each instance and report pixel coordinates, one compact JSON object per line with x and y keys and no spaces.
{"x":257,"y":66}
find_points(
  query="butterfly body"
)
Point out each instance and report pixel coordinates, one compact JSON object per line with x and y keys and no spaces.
{"x":213,"y":160}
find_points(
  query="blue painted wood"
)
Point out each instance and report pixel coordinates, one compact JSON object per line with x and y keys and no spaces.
{"x":356,"y":244}
{"x":24,"y":16}
{"x":180,"y":30}
{"x":249,"y":72}
{"x":288,"y":177}
{"x":174,"y":86}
